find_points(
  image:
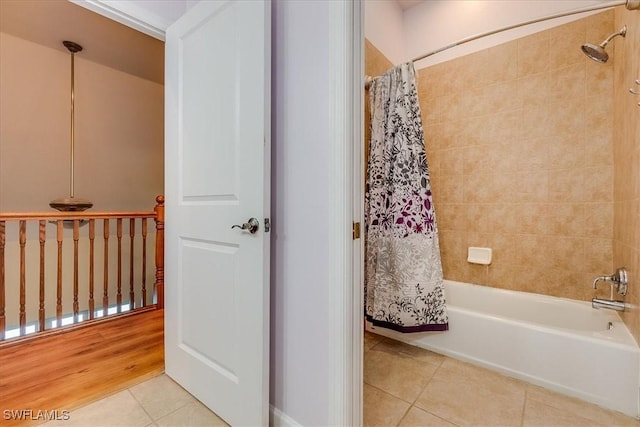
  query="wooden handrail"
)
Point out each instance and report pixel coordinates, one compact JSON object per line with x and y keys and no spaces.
{"x":74,"y":215}
{"x":62,"y":220}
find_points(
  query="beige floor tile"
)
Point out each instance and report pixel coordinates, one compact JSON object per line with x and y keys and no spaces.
{"x":418,"y":418}
{"x":193,"y":414}
{"x":382,"y":409}
{"x":121,"y":409}
{"x":469,"y":395}
{"x":160,"y":396}
{"x":393,"y":346}
{"x":596,"y":414}
{"x":537,"y":414}
{"x":397,"y":374}
{"x":371,"y":339}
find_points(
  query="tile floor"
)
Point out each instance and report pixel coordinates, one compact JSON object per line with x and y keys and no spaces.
{"x":156,"y":402}
{"x":409,"y":386}
{"x":404,"y":386}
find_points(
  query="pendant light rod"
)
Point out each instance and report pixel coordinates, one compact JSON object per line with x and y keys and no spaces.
{"x":73,"y":48}
{"x":71,"y":203}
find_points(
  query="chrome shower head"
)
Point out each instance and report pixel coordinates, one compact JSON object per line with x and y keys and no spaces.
{"x":597,"y":52}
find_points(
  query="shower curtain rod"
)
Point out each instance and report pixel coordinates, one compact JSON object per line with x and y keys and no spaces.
{"x":630,"y":4}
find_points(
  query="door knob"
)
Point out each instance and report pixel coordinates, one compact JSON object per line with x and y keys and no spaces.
{"x":251,"y":226}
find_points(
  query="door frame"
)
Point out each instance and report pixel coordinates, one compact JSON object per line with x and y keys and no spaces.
{"x":346,"y":203}
{"x":346,"y":189}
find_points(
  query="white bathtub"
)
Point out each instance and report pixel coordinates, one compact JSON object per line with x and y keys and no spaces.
{"x":561,"y":344}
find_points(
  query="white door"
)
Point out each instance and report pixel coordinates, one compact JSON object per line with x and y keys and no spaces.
{"x":217,"y":98}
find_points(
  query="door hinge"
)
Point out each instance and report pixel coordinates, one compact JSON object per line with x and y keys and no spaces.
{"x":356,"y":230}
{"x":267,"y":225}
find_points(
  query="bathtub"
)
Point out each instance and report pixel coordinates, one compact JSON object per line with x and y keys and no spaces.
{"x":557,"y":343}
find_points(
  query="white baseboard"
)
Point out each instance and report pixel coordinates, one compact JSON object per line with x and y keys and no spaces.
{"x":277,"y":418}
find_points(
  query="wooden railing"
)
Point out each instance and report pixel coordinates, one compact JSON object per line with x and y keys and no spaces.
{"x":113,"y":296}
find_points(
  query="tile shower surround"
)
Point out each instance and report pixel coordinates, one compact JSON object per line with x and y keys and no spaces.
{"x":515,"y":168}
{"x":521,"y":141}
{"x":626,"y":157}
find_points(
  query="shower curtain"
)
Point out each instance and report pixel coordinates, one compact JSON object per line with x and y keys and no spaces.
{"x":403,"y":278}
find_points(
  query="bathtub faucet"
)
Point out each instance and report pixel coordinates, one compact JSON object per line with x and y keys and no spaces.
{"x":609,"y":304}
{"x":617,"y":280}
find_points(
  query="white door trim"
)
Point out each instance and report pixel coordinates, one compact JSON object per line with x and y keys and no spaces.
{"x":345,"y":188}
{"x":128,"y":14}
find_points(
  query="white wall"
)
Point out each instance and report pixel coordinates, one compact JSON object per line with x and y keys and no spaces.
{"x":300,"y":362}
{"x":119,"y":131}
{"x":385,"y":29}
{"x":437,"y":23}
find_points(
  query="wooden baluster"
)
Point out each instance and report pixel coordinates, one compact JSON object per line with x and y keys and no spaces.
{"x":132,"y":232}
{"x":59,"y":289}
{"x":42,"y":228}
{"x":23,"y":282}
{"x":2,"y":290}
{"x":159,"y":218}
{"x":119,"y":293}
{"x":105,"y":295}
{"x":92,"y":237}
{"x":76,"y":237}
{"x":144,"y":262}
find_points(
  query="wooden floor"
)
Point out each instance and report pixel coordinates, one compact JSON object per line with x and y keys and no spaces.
{"x":67,"y":370}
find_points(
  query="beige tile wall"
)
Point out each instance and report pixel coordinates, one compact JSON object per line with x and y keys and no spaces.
{"x":375,"y":64}
{"x":626,"y":154}
{"x":519,"y":144}
{"x":528,"y":133}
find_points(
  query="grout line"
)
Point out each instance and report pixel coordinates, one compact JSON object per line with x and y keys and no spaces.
{"x":425,"y":386}
{"x":435,"y":415}
{"x":524,"y":405}
{"x":154,"y":420}
{"x":141,"y":406}
{"x":389,"y":394}
{"x":395,"y":397}
{"x":404,"y":415}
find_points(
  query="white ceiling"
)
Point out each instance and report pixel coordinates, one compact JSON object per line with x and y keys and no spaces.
{"x":104,"y":41}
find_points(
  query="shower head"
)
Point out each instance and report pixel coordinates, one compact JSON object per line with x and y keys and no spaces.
{"x":597,"y":52}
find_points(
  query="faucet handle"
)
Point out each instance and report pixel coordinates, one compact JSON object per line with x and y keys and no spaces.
{"x":621,"y":280}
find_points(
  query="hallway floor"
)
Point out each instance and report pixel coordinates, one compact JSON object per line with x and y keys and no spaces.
{"x":404,"y":386}
{"x":410,"y":386}
{"x":156,"y":402}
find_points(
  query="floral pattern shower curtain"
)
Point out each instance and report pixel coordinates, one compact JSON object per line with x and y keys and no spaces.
{"x":403,"y":279}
